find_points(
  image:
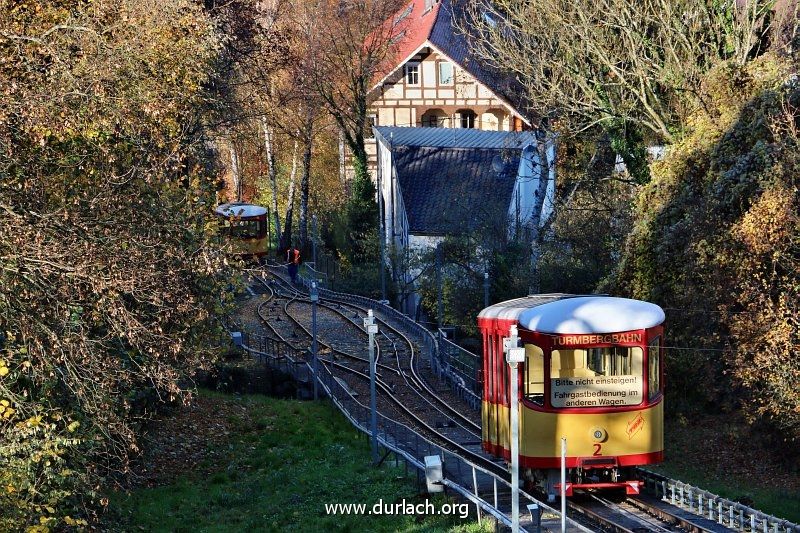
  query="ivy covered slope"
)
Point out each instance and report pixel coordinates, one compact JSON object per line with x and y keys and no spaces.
{"x":717,"y":242}
{"x":107,"y":280}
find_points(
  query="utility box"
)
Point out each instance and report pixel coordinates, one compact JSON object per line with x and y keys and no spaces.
{"x":236,"y":337}
{"x":433,"y":473}
{"x":536,"y":517}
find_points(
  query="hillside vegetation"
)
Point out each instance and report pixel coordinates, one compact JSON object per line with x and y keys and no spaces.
{"x":108,"y":282}
{"x":117,"y":117}
{"x":717,"y":243}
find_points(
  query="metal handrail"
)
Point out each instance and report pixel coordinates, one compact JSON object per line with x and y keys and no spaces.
{"x":460,"y":368}
{"x":703,"y":503}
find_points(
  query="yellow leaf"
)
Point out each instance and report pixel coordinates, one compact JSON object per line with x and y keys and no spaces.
{"x":4,"y":371}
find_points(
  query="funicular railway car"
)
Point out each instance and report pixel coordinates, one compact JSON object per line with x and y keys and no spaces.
{"x":592,"y":373}
{"x":244,"y":229}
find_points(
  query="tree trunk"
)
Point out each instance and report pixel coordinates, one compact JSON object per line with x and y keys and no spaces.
{"x":272,"y":172}
{"x":235,"y":176}
{"x":360,"y":163}
{"x":287,"y":221}
{"x":304,"y":182}
{"x":342,"y":159}
{"x":537,"y":222}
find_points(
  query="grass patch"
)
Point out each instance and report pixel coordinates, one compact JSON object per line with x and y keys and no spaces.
{"x":719,"y":453}
{"x":280,"y":465}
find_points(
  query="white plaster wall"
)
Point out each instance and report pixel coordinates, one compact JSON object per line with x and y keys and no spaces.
{"x":423,"y":243}
{"x":429,"y":72}
{"x":404,"y":117}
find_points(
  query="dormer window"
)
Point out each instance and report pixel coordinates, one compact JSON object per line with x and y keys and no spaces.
{"x":398,"y":37}
{"x":412,"y":73}
{"x":429,"y":4}
{"x":406,"y":12}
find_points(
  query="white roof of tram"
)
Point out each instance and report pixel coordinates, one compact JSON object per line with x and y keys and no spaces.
{"x":238,"y":209}
{"x":591,"y":314}
{"x":511,"y":309}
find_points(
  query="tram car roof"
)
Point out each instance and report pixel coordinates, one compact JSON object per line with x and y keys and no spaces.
{"x":240,"y":209}
{"x":575,"y":314}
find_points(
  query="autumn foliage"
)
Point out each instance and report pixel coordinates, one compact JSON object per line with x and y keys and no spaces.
{"x":717,"y":242}
{"x":108,"y":280}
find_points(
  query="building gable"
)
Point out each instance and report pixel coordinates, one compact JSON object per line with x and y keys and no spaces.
{"x":429,"y":40}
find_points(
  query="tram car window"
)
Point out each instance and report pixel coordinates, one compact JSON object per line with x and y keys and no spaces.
{"x":654,"y":368}
{"x":243,"y":229}
{"x":534,"y":374}
{"x":592,"y":373}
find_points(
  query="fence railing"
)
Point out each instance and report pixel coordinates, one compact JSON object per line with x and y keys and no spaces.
{"x":488,"y":491}
{"x":328,"y":270}
{"x":460,"y":368}
{"x":725,"y":512}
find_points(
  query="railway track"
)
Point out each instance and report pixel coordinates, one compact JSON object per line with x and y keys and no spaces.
{"x":401,"y":389}
{"x":406,"y":395}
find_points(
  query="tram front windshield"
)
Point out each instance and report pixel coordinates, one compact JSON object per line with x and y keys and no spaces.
{"x":596,"y":377}
{"x":585,"y":377}
{"x":243,"y":229}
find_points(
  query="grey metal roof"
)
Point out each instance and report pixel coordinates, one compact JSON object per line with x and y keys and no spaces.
{"x":454,"y":137}
{"x":450,"y":190}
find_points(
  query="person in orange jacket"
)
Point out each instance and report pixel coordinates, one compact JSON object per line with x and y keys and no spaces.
{"x":293,"y":260}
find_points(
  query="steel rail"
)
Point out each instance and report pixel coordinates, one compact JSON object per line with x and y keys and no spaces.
{"x":416,"y":383}
{"x":330,"y":348}
{"x":390,"y":395}
{"x":419,"y":382}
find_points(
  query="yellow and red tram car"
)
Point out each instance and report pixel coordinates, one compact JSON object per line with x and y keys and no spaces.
{"x":243,"y":228}
{"x":593,"y":373}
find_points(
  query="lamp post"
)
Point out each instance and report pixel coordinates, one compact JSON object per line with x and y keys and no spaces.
{"x":314,"y":295}
{"x":515,"y":354}
{"x":563,"y":484}
{"x":372,"y":329}
{"x":439,"y":300}
{"x":314,"y":244}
